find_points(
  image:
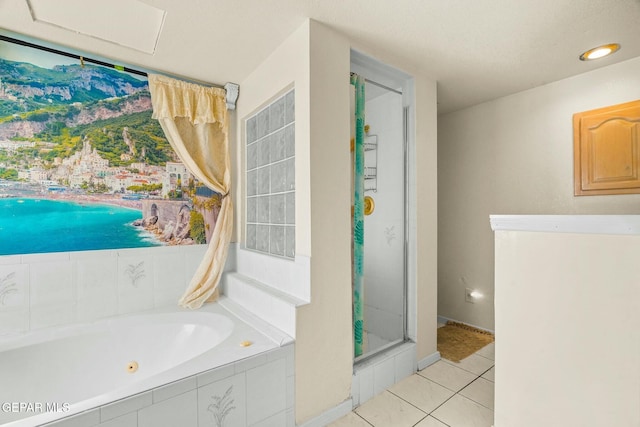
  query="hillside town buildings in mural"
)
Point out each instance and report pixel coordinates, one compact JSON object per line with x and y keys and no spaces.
{"x":87,"y":170}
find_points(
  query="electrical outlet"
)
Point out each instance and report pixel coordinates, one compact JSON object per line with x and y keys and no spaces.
{"x":468,"y":297}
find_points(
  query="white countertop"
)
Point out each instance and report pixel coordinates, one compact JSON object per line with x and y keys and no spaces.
{"x":586,"y":224}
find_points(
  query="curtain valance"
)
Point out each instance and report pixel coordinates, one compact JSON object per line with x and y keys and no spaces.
{"x":174,"y":98}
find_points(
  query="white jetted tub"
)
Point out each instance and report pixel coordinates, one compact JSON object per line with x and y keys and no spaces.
{"x":57,"y":372}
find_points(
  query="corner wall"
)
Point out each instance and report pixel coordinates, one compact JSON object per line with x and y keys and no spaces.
{"x":324,"y":343}
{"x":514,"y":155}
{"x":315,"y":61}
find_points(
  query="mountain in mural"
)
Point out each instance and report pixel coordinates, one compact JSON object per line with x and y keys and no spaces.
{"x":59,"y":109}
{"x":64,"y":84}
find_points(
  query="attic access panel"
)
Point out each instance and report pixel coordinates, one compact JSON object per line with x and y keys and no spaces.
{"x":606,"y":153}
{"x":129,"y":23}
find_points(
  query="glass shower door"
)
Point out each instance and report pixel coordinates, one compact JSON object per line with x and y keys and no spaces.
{"x":384,"y":280}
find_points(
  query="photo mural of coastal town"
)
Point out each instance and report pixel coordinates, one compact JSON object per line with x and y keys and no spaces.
{"x":83,"y":166}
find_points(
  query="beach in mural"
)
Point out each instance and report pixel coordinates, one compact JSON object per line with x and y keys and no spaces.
{"x":41,"y":225}
{"x":82,"y":163}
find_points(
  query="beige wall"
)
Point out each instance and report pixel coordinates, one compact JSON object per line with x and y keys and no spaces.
{"x":315,"y":61}
{"x":286,"y":67}
{"x":323,"y":331}
{"x":324,"y":344}
{"x":426,"y":220}
{"x":568,"y":349}
{"x":514,"y":155}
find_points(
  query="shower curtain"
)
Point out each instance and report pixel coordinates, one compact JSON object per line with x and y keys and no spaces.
{"x":358,"y":216}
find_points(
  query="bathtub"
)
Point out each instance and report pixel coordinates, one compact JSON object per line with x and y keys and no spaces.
{"x":54,"y":373}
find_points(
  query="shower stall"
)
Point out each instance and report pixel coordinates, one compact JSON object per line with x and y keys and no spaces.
{"x":381,"y":296}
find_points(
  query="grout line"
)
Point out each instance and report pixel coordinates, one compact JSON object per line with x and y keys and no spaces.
{"x":477,"y":403}
{"x":420,"y":409}
{"x":486,"y":372}
{"x":452,"y":363}
{"x":421,"y":419}
{"x":483,"y":376}
{"x":485,"y":357}
{"x":437,"y":407}
{"x":442,"y":385}
{"x":440,"y":421}
{"x":473,"y":400}
{"x":406,"y":401}
{"x":365,"y":420}
{"x":476,"y":379}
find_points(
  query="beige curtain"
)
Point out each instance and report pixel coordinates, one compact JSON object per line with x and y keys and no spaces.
{"x":194,"y":119}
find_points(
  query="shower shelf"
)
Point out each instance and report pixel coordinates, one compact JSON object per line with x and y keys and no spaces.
{"x":370,"y":146}
{"x":371,"y":163}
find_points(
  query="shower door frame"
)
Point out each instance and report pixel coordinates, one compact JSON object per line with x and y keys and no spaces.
{"x":405,"y":233}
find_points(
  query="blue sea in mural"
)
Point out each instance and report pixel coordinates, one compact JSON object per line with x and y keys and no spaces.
{"x":38,"y":225}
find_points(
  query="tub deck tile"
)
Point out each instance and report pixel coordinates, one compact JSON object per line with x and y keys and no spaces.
{"x":83,"y":419}
{"x":174,"y":389}
{"x":216,"y":374}
{"x":266,"y":391}
{"x":179,"y":411}
{"x":129,"y":420}
{"x":124,"y":406}
{"x":250,"y":363}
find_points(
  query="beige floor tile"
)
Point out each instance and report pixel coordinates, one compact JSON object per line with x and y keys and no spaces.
{"x":475,"y":364}
{"x":462,"y":412}
{"x":350,"y":420}
{"x":388,"y":410}
{"x":430,"y":422}
{"x":448,"y":375}
{"x":488,"y":351}
{"x":480,"y":391}
{"x":490,"y":374}
{"x":421,"y":392}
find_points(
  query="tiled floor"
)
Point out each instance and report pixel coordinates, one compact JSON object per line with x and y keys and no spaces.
{"x":443,"y":394}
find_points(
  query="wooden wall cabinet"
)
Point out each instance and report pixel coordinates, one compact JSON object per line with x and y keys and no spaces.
{"x":606,"y":145}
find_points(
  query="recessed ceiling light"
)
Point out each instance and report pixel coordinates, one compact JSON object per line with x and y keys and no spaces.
{"x":600,"y":51}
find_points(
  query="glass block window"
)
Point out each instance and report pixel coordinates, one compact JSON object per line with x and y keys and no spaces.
{"x":270,"y":166}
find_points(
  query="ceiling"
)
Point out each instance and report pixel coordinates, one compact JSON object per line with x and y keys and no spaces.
{"x":477,"y":50}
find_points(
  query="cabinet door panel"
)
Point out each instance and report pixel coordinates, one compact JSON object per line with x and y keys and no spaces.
{"x":607,"y":150}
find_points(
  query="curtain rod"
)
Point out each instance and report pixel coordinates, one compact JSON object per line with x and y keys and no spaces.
{"x":82,"y":58}
{"x":380,"y":85}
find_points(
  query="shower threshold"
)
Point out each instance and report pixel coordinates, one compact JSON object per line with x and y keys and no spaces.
{"x":366,"y":356}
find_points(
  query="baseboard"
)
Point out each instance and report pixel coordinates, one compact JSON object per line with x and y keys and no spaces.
{"x":330,"y":415}
{"x":428,"y":361}
{"x":442,"y":319}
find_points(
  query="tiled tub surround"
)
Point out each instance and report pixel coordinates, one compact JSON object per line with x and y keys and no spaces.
{"x":376,"y":374}
{"x":43,"y":290}
{"x":228,"y":385}
{"x":270,"y":287}
{"x":270,"y":186}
